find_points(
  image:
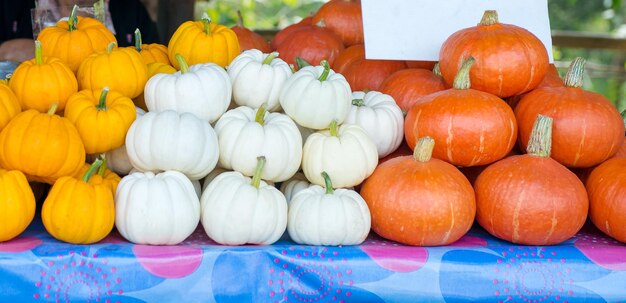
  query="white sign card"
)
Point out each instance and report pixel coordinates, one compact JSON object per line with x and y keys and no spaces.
{"x":416,"y":29}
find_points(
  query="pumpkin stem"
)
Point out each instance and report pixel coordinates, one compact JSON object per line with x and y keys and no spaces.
{"x":437,"y":70}
{"x":540,"y":142}
{"x":92,"y":169}
{"x":110,"y":47}
{"x":207,"y":22}
{"x":358,"y":102}
{"x":73,"y":20}
{"x":574,"y":75}
{"x":334,"y":128}
{"x":239,"y":19}
{"x":326,"y":71}
{"x":328,"y":183}
{"x":293,"y":68}
{"x":103,"y":167}
{"x":138,"y":40}
{"x":270,"y":57}
{"x":256,"y":179}
{"x":38,"y":53}
{"x":53,"y":108}
{"x":184,"y":67}
{"x":462,"y":78}
{"x":424,"y":147}
{"x":260,"y":114}
{"x":300,"y":62}
{"x":490,"y":17}
{"x":102,"y":104}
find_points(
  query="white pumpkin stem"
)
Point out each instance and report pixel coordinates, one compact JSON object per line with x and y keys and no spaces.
{"x":256,"y":179}
{"x":103,"y":167}
{"x":73,"y":19}
{"x":184,"y":67}
{"x":462,"y":78}
{"x":110,"y":47}
{"x":260,"y":114}
{"x":270,"y":57}
{"x":540,"y":142}
{"x":92,"y":169}
{"x":102,"y":104}
{"x":328,"y":183}
{"x":424,"y":147}
{"x":358,"y":102}
{"x":575,"y":72}
{"x":138,"y":40}
{"x":326,"y":71}
{"x":334,"y":128}
{"x":207,"y":23}
{"x":490,"y":17}
{"x":53,"y":108}
{"x":38,"y":53}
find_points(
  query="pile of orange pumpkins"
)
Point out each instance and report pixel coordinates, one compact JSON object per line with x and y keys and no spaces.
{"x":304,"y":135}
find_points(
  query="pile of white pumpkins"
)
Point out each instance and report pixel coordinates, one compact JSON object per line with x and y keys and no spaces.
{"x":215,"y":144}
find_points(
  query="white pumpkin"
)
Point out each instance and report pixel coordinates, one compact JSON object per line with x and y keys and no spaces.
{"x":202,"y":89}
{"x":245,"y":134}
{"x":161,"y":141}
{"x":258,"y":78}
{"x":160,"y":209}
{"x":238,"y":210}
{"x":314,"y":96}
{"x":380,"y":117}
{"x":209,"y":178}
{"x":345,"y":152}
{"x":117,"y":159}
{"x":323,"y":216}
{"x":294,"y":185}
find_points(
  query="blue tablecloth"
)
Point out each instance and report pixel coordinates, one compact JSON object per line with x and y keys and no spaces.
{"x":37,"y":268}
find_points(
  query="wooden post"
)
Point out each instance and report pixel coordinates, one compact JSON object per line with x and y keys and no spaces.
{"x":173,"y":13}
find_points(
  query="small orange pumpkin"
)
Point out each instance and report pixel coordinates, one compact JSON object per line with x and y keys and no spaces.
{"x":153,"y":69}
{"x":606,"y":187}
{"x":9,"y":105}
{"x":153,"y":52}
{"x":408,"y":85}
{"x":17,"y":204}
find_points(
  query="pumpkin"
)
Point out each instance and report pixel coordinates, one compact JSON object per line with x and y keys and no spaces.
{"x":79,"y":211}
{"x":43,"y":146}
{"x":315,"y":96}
{"x":282,"y":34}
{"x":588,"y":129}
{"x":294,"y":185}
{"x":325,"y":216}
{"x":365,"y":74}
{"x":551,"y":79}
{"x":345,"y":151}
{"x":160,"y":209}
{"x":380,"y":117}
{"x":9,"y":105}
{"x":606,"y":187}
{"x":153,"y":69}
{"x":42,"y":81}
{"x":152,"y":52}
{"x":202,"y":89}
{"x":531,"y":199}
{"x":510,"y":60}
{"x":244,"y":134}
{"x":473,"y":127}
{"x":248,"y":39}
{"x":621,"y":153}
{"x":102,"y":176}
{"x":344,"y":18}
{"x":203,"y":42}
{"x":121,"y":69}
{"x":117,"y":159}
{"x":211,"y":176}
{"x":407,"y":86}
{"x":102,"y":118}
{"x":347,"y":57}
{"x":74,"y":39}
{"x":17,"y":204}
{"x":419,"y":200}
{"x":311,"y":43}
{"x":167,"y":140}
{"x":258,"y":78}
{"x":238,"y":210}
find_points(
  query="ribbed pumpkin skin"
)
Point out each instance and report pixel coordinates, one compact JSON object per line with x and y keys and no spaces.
{"x":347,"y":57}
{"x":415,"y":203}
{"x":282,"y":34}
{"x":606,"y":187}
{"x":153,"y":69}
{"x":344,"y":18}
{"x":73,"y":47}
{"x":313,"y":44}
{"x":530,"y":200}
{"x":44,"y":147}
{"x":408,"y":85}
{"x":9,"y":105}
{"x":190,"y":40}
{"x":154,"y":52}
{"x":17,"y":204}
{"x":78,"y":212}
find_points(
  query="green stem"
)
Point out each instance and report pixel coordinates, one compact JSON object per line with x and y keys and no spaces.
{"x":324,"y":74}
{"x":358,"y":102}
{"x":256,"y":179}
{"x":73,"y":20}
{"x":424,"y":147}
{"x":574,"y":75}
{"x":334,"y":128}
{"x":138,"y":40}
{"x":102,"y":104}
{"x":540,"y":142}
{"x":328,"y":183}
{"x":490,"y":17}
{"x":207,"y":24}
{"x":38,"y":53}
{"x":300,"y":62}
{"x":53,"y":108}
{"x":270,"y":57}
{"x":260,"y":114}
{"x":462,"y":79}
{"x":239,"y":19}
{"x":92,"y":169}
{"x":103,"y":167}
{"x":184,"y":67}
{"x":110,"y":47}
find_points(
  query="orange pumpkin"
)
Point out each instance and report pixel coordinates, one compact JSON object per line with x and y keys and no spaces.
{"x":43,"y":146}
{"x":311,"y":43}
{"x":531,"y":199}
{"x":509,"y":59}
{"x":9,"y":105}
{"x":17,"y":204}
{"x":121,"y":69}
{"x":153,"y":69}
{"x":606,"y":187}
{"x":79,"y":211}
{"x":621,"y":152}
{"x":282,"y":34}
{"x":248,"y":39}
{"x":102,"y":118}
{"x":408,"y":85}
{"x":203,"y":41}
{"x":552,"y":79}
{"x":364,"y":74}
{"x":42,"y":81}
{"x":153,"y":52}
{"x":419,"y":200}
{"x":75,"y":39}
{"x":344,"y":18}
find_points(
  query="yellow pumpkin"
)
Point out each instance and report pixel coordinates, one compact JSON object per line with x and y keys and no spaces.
{"x":75,"y":39}
{"x":102,"y":118}
{"x":43,"y":146}
{"x":152,"y":52}
{"x":203,"y":41}
{"x":104,"y":176}
{"x":79,"y":211}
{"x":153,"y":69}
{"x":120,"y":69}
{"x":9,"y":105}
{"x":17,"y":204}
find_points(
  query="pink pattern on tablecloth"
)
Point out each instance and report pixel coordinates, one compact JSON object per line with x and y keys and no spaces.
{"x":470,"y":241}
{"x":20,"y":244}
{"x":169,"y":261}
{"x":602,"y":250}
{"x":393,"y":256}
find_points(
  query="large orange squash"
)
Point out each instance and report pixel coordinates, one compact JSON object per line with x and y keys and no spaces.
{"x":9,"y":105}
{"x":344,"y":18}
{"x":408,"y":85}
{"x":17,"y":204}
{"x":606,"y":187}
